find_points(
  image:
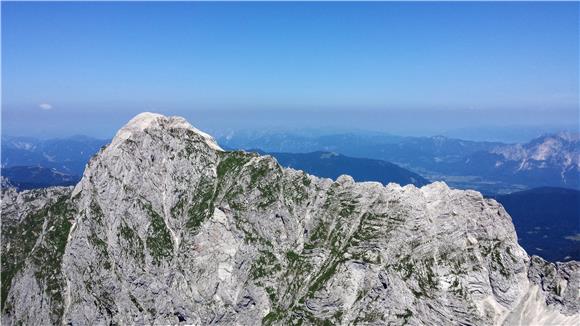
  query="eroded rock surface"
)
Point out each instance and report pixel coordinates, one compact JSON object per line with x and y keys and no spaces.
{"x":167,"y":228}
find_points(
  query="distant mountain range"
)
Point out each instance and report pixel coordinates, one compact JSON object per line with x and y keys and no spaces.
{"x":66,"y":155}
{"x":33,"y":177}
{"x":552,"y":160}
{"x":490,"y":167}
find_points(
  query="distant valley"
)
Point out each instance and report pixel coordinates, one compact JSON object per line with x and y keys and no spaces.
{"x":489,"y":167}
{"x":33,"y":177}
{"x":547,"y":221}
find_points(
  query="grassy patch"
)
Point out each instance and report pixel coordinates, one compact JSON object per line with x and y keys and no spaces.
{"x":265,"y":265}
{"x":158,"y":240}
{"x":202,"y":208}
{"x":323,"y":277}
{"x":133,"y":243}
{"x":232,"y":161}
{"x":275,"y":315}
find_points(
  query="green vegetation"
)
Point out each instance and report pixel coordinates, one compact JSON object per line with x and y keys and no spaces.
{"x":421,"y":271}
{"x":22,"y":238}
{"x":331,"y":233}
{"x":134,"y":245}
{"x":158,"y":240}
{"x":269,"y":187}
{"x":292,"y":257}
{"x":405,"y":266}
{"x":295,"y":191}
{"x":408,"y":314}
{"x":99,"y":244}
{"x":323,"y":277}
{"x":273,"y":316}
{"x":269,"y":194}
{"x":135,"y":302}
{"x":202,"y":208}
{"x":233,"y":164}
{"x":271,"y":294}
{"x":427,"y":278}
{"x":305,"y":315}
{"x":177,"y":210}
{"x":457,"y":288}
{"x":232,"y":161}
{"x":96,"y":212}
{"x":306,"y":181}
{"x":258,"y":172}
{"x":493,"y":249}
{"x":251,"y":236}
{"x":497,"y":263}
{"x":266,"y":264}
{"x":297,"y":271}
{"x":46,"y":255}
{"x":319,"y":232}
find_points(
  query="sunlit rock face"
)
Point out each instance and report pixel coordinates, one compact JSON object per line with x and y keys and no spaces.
{"x":167,"y":228}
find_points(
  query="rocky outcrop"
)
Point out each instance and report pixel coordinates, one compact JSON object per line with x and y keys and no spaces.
{"x":165,"y":227}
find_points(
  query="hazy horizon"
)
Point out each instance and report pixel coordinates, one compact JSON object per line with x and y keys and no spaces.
{"x":403,"y":68}
{"x":505,"y":133}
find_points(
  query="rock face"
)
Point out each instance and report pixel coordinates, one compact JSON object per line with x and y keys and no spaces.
{"x":167,"y":228}
{"x":550,"y":159}
{"x":559,"y":150}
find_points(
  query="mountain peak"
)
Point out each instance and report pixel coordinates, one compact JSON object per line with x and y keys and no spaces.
{"x":148,"y":120}
{"x":162,"y":229}
{"x":144,"y":120}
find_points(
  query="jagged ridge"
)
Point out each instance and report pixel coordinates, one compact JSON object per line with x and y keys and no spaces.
{"x":165,"y":228}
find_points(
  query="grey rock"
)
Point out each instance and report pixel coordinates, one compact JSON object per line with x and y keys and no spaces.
{"x":167,"y":228}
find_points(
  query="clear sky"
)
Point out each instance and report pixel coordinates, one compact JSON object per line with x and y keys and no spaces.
{"x":86,"y":68}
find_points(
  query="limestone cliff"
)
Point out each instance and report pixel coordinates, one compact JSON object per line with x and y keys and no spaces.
{"x":167,"y":228}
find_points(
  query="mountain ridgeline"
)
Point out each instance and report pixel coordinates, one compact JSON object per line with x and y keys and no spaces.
{"x":33,"y":177}
{"x":26,"y":164}
{"x":165,"y":227}
{"x":332,"y":165}
{"x":490,"y":167}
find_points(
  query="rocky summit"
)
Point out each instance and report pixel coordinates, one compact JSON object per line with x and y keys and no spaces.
{"x":165,"y":228}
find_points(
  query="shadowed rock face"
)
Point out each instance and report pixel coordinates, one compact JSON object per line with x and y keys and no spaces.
{"x":167,"y":228}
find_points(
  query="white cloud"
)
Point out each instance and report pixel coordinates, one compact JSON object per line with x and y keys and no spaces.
{"x":45,"y":106}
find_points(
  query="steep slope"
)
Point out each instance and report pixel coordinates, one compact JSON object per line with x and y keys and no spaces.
{"x":332,"y":165}
{"x":168,"y":228}
{"x":35,"y":226}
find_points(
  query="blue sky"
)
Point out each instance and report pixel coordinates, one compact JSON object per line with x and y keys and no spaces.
{"x":85,"y":68}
